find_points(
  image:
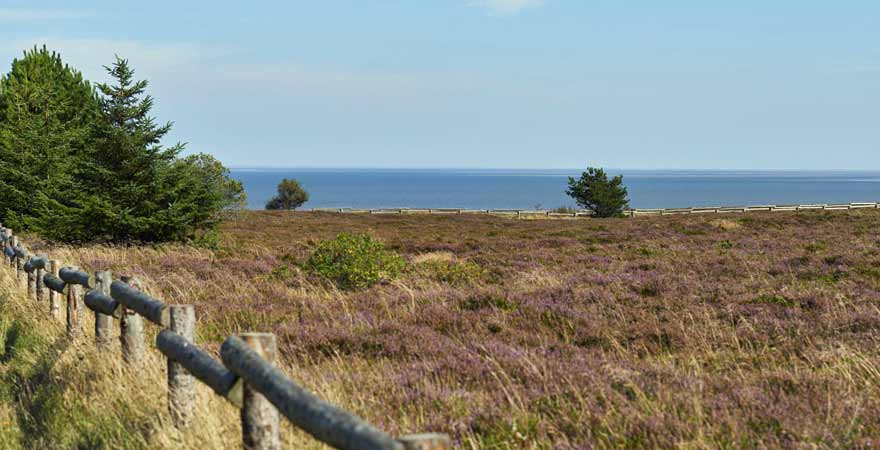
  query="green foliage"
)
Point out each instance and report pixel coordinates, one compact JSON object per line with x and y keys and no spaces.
{"x":79,"y":165}
{"x":47,"y":117}
{"x":209,"y":240}
{"x":649,"y":252}
{"x":290,"y":195}
{"x":355,"y":261}
{"x":453,"y":272}
{"x":594,"y":191}
{"x":197,"y":193}
{"x":816,"y":247}
{"x":130,"y":164}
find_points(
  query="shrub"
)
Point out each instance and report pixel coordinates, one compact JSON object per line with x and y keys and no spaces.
{"x":355,"y":261}
{"x":594,"y":191}
{"x":290,"y":195}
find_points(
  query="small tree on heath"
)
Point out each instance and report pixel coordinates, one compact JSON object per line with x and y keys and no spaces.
{"x":594,"y":191}
{"x":290,"y":195}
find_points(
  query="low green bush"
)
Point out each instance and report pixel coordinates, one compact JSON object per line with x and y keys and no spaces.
{"x":355,"y":261}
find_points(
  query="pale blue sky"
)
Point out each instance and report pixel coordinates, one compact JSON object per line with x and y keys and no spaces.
{"x":491,"y":83}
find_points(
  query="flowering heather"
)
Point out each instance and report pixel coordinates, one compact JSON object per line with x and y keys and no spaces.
{"x":703,"y":331}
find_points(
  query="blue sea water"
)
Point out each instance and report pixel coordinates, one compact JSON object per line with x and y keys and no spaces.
{"x":527,"y":189}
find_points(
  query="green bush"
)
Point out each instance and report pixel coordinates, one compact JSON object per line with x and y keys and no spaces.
{"x":355,"y":261}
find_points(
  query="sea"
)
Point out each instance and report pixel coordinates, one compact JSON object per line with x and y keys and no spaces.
{"x":545,"y":189}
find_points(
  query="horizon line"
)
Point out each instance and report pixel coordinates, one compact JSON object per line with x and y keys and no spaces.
{"x":423,"y":168}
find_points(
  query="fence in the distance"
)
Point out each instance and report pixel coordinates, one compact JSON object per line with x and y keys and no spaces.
{"x":638,"y":212}
{"x":246,"y":376}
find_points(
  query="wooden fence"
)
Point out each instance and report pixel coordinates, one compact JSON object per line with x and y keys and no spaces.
{"x":246,"y":376}
{"x":639,"y":212}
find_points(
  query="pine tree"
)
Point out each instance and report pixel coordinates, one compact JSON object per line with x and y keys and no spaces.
{"x":142,"y":191}
{"x":129,"y":160}
{"x":594,"y":191}
{"x":79,"y":165}
{"x":47,"y":112}
{"x":290,"y":195}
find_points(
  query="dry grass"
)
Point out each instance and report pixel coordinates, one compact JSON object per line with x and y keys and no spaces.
{"x":757,"y":330}
{"x":725,"y":224}
{"x":446,"y":257}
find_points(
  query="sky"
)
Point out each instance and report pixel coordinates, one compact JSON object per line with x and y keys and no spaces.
{"x":639,"y":84}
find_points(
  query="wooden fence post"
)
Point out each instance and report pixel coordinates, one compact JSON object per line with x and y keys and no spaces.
{"x":17,"y":263}
{"x":131,"y":330}
{"x":259,"y":418}
{"x":7,"y":235}
{"x":74,"y":310}
{"x":181,"y":384}
{"x":10,"y":243}
{"x":54,"y":302}
{"x":39,"y":287}
{"x":31,"y":281}
{"x":103,"y":322}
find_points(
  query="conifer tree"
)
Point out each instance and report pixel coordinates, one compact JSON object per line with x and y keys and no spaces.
{"x":129,"y":160}
{"x":142,"y":190}
{"x":594,"y":191}
{"x":79,"y":165}
{"x":290,"y":195}
{"x":47,"y":112}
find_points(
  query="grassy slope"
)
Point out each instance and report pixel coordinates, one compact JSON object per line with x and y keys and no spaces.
{"x":58,"y":395}
{"x":703,"y":331}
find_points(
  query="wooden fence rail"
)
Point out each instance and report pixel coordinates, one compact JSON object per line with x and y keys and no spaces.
{"x":247,"y":376}
{"x":638,"y":212}
{"x":322,"y":420}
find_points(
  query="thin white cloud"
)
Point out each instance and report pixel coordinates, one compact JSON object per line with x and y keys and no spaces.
{"x":507,"y":6}
{"x":197,"y":74}
{"x":193,"y":69}
{"x":39,"y":15}
{"x":91,"y":55}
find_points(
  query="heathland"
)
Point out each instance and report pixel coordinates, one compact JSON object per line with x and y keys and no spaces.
{"x":716,"y":331}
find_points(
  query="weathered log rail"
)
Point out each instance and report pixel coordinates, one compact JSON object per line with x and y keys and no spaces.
{"x":246,"y":377}
{"x":638,"y":212}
